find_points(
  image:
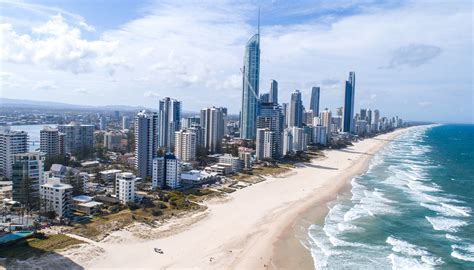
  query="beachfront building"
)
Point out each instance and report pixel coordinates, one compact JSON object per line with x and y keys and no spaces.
{"x":166,"y":172}
{"x":348,"y":125}
{"x":234,"y":162}
{"x":265,"y":143}
{"x":326,"y":118}
{"x":146,"y":139}
{"x":271,"y":118}
{"x":27,"y":176}
{"x":126,"y":187}
{"x":11,"y":142}
{"x":169,"y":121}
{"x":320,"y":135}
{"x":49,"y":141}
{"x":245,"y":155}
{"x":185,"y":145}
{"x":77,"y":137}
{"x":294,"y":140}
{"x":56,"y":196}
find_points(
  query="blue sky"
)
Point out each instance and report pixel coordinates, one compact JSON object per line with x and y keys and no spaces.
{"x":411,"y":58}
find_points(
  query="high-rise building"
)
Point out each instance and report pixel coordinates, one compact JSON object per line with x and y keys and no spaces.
{"x":320,"y":135}
{"x":113,"y":140}
{"x":369,"y":116}
{"x":27,"y":175}
{"x":363,"y":114}
{"x":169,"y":121}
{"x":285,"y":108}
{"x":117,"y":115}
{"x":102,"y":123}
{"x":185,"y":145}
{"x":274,"y":92}
{"x":314,"y":103}
{"x":11,"y":142}
{"x":56,"y":197}
{"x":308,"y":116}
{"x":296,"y":110}
{"x":265,"y":143}
{"x":250,"y":88}
{"x":264,"y":98}
{"x":212,"y":121}
{"x":146,"y":138}
{"x":287,"y":141}
{"x":125,"y":122}
{"x":166,"y":172}
{"x":326,"y":119}
{"x":271,"y":117}
{"x":126,"y":187}
{"x":348,"y":125}
{"x":191,"y":121}
{"x":49,"y":141}
{"x":77,"y":137}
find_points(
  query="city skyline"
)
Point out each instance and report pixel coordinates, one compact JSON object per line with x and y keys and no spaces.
{"x":411,"y":72}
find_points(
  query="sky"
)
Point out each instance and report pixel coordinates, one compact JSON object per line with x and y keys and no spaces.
{"x":413,"y":59}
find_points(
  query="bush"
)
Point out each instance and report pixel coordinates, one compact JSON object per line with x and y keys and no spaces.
{"x":114,"y":208}
{"x":156,"y":212}
{"x":161,"y":205}
{"x":132,"y":206}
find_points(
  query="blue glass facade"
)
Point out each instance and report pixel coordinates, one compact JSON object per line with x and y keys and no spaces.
{"x":251,"y":75}
{"x":349,"y":104}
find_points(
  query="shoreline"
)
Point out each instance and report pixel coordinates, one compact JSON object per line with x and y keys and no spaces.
{"x":249,"y":231}
{"x":288,"y":251}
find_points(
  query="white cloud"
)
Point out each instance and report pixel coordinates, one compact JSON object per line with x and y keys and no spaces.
{"x":81,"y":91}
{"x":193,"y":51}
{"x":45,"y":85}
{"x":56,"y":45}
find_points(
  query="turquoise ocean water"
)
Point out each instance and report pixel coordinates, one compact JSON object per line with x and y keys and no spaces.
{"x":413,"y":209}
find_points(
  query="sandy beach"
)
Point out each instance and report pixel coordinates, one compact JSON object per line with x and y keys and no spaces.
{"x":254,"y":229}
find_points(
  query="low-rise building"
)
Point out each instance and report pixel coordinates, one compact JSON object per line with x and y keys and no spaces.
{"x":56,"y":196}
{"x":219,"y":168}
{"x":195,"y":178}
{"x":126,"y":187}
{"x":234,"y":162}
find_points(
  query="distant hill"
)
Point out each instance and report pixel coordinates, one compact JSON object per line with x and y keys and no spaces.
{"x":33,"y":104}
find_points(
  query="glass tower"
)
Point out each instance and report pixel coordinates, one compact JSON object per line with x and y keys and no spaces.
{"x":251,"y":74}
{"x":314,"y":104}
{"x":349,"y":104}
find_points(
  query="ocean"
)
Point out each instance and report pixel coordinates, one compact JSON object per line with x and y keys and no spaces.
{"x":411,"y":210}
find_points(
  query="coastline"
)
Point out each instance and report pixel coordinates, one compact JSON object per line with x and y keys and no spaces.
{"x":254,"y":229}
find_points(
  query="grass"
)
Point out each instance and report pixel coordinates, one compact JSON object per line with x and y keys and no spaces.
{"x":38,"y":246}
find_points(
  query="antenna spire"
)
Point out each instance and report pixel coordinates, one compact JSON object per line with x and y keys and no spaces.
{"x":258,"y":23}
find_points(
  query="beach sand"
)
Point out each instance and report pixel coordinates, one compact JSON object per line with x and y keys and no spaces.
{"x":255,"y":229}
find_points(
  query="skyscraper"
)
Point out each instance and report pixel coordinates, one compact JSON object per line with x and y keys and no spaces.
{"x":314,"y":103}
{"x":146,"y":138}
{"x":250,"y":88}
{"x":274,"y":92}
{"x":271,"y":117}
{"x":326,"y":119}
{"x":77,"y":137}
{"x":169,"y":121}
{"x":265,"y":98}
{"x":296,"y":110}
{"x":349,"y":104}
{"x":265,"y":144}
{"x":212,"y":121}
{"x":11,"y":142}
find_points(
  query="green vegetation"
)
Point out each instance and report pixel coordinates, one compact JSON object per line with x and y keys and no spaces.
{"x":37,"y":246}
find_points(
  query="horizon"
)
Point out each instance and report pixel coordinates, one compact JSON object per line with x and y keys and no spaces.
{"x":74,"y":53}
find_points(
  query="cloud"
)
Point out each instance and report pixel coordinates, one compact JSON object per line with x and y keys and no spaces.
{"x":424,"y":103}
{"x":81,"y":91}
{"x":151,"y":94}
{"x":45,"y":85}
{"x":56,"y":45}
{"x":413,"y":55}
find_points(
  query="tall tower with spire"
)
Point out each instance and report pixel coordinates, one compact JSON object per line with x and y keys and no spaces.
{"x":250,"y":86}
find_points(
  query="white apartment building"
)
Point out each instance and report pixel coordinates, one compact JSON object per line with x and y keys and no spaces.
{"x":11,"y":142}
{"x":234,"y":162}
{"x":185,"y":145}
{"x":166,"y":172}
{"x":56,"y":196}
{"x":126,"y":187}
{"x":49,"y":141}
{"x":265,"y":143}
